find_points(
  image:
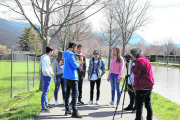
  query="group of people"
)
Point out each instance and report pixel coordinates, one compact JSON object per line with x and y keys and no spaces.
{"x":69,"y":70}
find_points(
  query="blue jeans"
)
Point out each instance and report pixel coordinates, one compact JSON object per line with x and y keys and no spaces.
{"x":60,"y":81}
{"x":115,"y":85}
{"x":47,"y":82}
{"x":71,"y":84}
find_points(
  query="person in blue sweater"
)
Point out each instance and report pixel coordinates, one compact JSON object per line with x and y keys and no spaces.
{"x":71,"y":76}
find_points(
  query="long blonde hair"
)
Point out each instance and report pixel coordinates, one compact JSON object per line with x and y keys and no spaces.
{"x":118,"y":54}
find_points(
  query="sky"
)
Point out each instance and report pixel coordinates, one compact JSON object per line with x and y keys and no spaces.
{"x":165,"y":17}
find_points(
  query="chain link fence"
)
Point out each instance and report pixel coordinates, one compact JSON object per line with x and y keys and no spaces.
{"x":19,"y":72}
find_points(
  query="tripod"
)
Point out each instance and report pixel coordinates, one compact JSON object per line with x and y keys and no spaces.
{"x":124,"y":88}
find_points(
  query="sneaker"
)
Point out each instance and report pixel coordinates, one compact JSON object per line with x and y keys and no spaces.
{"x":115,"y":105}
{"x":56,"y":103}
{"x":49,"y":106}
{"x":81,"y":102}
{"x":128,"y":108}
{"x":44,"y":110}
{"x":111,"y":103}
{"x":97,"y":102}
{"x":90,"y":102}
{"x":63,"y":102}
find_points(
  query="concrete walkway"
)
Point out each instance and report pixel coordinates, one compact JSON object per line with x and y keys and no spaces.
{"x":95,"y":112}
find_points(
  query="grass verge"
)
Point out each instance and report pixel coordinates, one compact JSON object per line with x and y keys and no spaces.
{"x":163,"y":108}
{"x":25,"y":106}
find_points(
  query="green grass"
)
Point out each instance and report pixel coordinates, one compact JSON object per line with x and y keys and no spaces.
{"x":25,"y":109}
{"x":165,"y":64}
{"x":163,"y":108}
{"x":20,"y":83}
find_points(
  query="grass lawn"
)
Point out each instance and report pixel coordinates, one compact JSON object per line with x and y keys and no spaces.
{"x":20,"y":84}
{"x":163,"y":108}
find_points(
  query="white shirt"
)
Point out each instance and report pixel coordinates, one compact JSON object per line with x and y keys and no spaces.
{"x":46,"y":66}
{"x":94,"y":75}
{"x":130,"y":73}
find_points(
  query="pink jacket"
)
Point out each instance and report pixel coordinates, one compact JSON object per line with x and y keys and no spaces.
{"x":116,"y":68}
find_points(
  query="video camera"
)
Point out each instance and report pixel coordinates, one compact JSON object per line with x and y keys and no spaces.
{"x":127,"y":57}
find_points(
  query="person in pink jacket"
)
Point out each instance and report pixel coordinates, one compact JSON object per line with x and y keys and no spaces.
{"x":115,"y":75}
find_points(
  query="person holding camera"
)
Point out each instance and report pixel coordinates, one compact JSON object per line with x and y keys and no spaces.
{"x":71,"y":76}
{"x":115,"y":75}
{"x":58,"y":80}
{"x":143,"y":82}
{"x":131,"y":93}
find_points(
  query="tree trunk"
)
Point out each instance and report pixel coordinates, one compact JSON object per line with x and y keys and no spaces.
{"x":123,"y":49}
{"x":109,"y":58}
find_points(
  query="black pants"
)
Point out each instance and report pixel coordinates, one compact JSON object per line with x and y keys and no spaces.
{"x":143,"y":96}
{"x":71,"y":84}
{"x":131,"y":96}
{"x":92,"y":83}
{"x":80,"y":84}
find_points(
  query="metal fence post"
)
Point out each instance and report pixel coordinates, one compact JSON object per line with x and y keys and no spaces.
{"x":28,"y":70}
{"x":34,"y":70}
{"x":11,"y":72}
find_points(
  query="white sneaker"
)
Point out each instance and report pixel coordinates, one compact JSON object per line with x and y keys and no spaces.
{"x":56,"y":103}
{"x":90,"y":102}
{"x":97,"y":102}
{"x":116,"y":105}
{"x":111,"y":103}
{"x":63,"y":102}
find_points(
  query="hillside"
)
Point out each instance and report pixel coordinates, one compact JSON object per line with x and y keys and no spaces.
{"x":10,"y":31}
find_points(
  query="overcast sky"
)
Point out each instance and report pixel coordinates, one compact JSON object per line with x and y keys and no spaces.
{"x":165,"y":24}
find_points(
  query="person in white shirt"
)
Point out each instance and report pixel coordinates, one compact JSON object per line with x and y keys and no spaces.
{"x":47,"y":77}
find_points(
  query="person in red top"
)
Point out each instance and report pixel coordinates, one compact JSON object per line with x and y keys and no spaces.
{"x":143,"y":82}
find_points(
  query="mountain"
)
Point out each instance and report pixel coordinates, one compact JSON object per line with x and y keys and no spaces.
{"x":10,"y":31}
{"x":136,"y":38}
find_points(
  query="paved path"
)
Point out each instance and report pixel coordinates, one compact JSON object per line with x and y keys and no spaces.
{"x":92,"y":112}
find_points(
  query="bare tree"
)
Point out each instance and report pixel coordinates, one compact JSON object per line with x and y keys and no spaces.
{"x":110,"y":31}
{"x":44,"y":12}
{"x":130,"y":16}
{"x":168,"y":47}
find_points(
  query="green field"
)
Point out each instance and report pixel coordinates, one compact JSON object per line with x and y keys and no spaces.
{"x":20,"y":83}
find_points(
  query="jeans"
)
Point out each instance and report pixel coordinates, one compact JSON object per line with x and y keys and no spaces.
{"x":60,"y":81}
{"x":115,"y":85}
{"x":80,"y":84}
{"x":47,"y":82}
{"x":131,"y":95}
{"x":92,"y":83}
{"x":71,"y":84}
{"x":143,"y":96}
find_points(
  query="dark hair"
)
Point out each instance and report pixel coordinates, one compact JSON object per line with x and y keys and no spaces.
{"x":136,"y":52}
{"x":72,"y":45}
{"x":79,"y":46}
{"x":49,"y":48}
{"x":95,"y":52}
{"x":59,"y":57}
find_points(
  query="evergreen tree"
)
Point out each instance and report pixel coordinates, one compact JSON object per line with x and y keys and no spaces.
{"x":27,"y":39}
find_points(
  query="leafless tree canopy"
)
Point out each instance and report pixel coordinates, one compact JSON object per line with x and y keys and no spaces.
{"x":130,"y":16}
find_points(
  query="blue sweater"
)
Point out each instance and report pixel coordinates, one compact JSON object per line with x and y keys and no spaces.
{"x":70,"y":65}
